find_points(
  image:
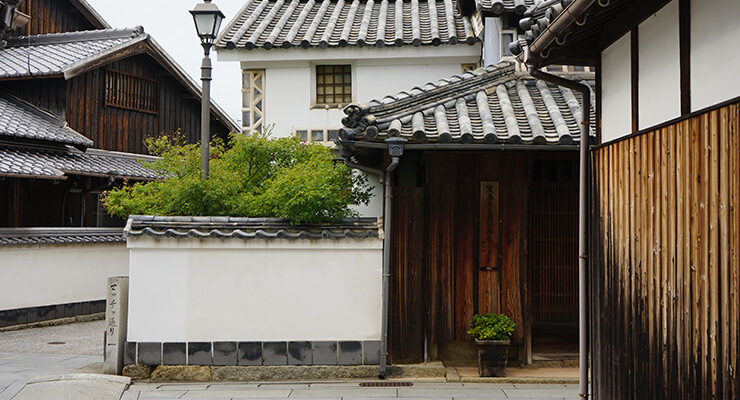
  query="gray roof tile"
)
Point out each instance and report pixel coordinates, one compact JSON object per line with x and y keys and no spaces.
{"x":55,"y":163}
{"x":492,"y":105}
{"x":21,"y":120}
{"x":498,"y":7}
{"x":56,"y":236}
{"x":338,"y":23}
{"x":53,"y":54}
{"x":247,"y":228}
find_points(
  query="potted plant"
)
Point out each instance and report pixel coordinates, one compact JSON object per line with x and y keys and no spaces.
{"x":492,"y":333}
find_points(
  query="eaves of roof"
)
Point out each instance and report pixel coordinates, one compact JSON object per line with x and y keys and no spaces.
{"x":22,"y":120}
{"x":495,"y":105}
{"x":40,"y":162}
{"x":577,"y":33}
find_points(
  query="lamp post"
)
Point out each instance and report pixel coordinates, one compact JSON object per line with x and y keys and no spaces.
{"x":207,"y":18}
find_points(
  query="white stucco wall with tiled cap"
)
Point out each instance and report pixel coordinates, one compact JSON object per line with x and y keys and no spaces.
{"x":208,"y":290}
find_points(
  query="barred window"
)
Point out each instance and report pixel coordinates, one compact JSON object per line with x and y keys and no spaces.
{"x":131,"y":92}
{"x":253,"y":100}
{"x":333,"y":84}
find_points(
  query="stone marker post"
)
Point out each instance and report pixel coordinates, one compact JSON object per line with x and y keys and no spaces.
{"x":116,"y":319}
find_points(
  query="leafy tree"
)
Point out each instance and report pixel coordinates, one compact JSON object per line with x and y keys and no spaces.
{"x":255,"y":176}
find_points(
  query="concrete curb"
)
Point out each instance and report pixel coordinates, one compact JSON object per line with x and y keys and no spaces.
{"x":84,"y":377}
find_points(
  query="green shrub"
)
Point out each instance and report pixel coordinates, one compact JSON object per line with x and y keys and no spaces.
{"x":491,"y":327}
{"x":255,"y":176}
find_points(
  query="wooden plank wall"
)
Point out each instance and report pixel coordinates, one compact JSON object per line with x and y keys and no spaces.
{"x":120,"y":129}
{"x":408,"y":283}
{"x":52,"y":16}
{"x":453,"y":236}
{"x":665,"y":268}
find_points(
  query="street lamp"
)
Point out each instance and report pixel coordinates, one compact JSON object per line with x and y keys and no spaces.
{"x":207,"y":18}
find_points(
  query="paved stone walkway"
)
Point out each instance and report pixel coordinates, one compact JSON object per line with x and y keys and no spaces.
{"x":72,"y":371}
{"x":430,"y":390}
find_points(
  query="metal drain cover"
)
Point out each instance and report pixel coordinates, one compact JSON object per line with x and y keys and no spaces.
{"x":385,"y":384}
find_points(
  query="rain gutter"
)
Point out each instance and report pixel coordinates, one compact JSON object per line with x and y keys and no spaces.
{"x":558,"y":26}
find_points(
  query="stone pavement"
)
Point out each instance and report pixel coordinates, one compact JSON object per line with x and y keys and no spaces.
{"x":421,"y":389}
{"x":71,"y":370}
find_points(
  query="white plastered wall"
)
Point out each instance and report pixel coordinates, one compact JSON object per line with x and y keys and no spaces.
{"x":254,"y":290}
{"x":715,"y":58}
{"x":290,"y":94}
{"x":616,"y":92}
{"x":659,"y":81}
{"x":43,"y":275}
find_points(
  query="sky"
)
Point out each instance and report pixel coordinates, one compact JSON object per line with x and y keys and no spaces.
{"x":171,"y":25}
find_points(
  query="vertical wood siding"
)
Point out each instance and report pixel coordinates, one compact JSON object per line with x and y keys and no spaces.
{"x":408,"y":286}
{"x":52,"y":16}
{"x":122,"y":129}
{"x":437,"y":284}
{"x":665,"y":268}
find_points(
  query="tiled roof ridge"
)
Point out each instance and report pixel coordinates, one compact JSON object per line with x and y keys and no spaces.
{"x":77,"y":36}
{"x":79,"y":139}
{"x":66,"y":235}
{"x":360,"y":115}
{"x":340,"y":23}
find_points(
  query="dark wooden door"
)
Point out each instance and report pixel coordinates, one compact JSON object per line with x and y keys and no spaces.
{"x":553,"y":241}
{"x":408,"y":303}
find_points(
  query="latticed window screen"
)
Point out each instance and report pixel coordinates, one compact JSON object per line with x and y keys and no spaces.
{"x":333,"y":84}
{"x":253,"y":100}
{"x":326,"y":136}
{"x":132,"y":92}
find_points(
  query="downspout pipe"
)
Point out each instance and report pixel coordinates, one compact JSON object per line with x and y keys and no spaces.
{"x":583,"y":344}
{"x":395,"y":151}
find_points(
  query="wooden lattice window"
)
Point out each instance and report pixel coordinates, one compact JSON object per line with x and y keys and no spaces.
{"x":132,"y":92}
{"x":333,"y":84}
{"x":253,"y":100}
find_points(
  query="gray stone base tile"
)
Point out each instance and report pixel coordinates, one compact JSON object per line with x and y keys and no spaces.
{"x":199,"y":353}
{"x":275,"y":353}
{"x":129,"y":353}
{"x":249,"y":353}
{"x":174,"y":354}
{"x":350,"y":353}
{"x":325,"y":353}
{"x":224,"y":353}
{"x":300,"y":353}
{"x":371,"y":352}
{"x":150,"y":353}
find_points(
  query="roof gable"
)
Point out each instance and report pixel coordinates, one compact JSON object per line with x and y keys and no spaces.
{"x":339,"y":23}
{"x":60,"y":53}
{"x":491,"y":105}
{"x":73,"y":53}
